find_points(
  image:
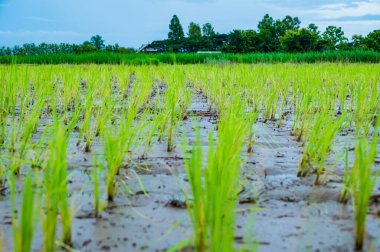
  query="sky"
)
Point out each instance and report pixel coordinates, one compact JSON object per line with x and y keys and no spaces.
{"x":131,"y":23}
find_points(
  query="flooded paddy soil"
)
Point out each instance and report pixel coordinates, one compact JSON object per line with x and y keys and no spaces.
{"x":276,"y":209}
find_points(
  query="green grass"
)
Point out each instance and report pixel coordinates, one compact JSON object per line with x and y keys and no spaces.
{"x":194,"y":58}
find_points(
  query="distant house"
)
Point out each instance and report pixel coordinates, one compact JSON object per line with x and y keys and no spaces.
{"x":147,"y":48}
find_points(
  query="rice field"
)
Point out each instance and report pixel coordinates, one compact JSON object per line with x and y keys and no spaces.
{"x":216,"y":157}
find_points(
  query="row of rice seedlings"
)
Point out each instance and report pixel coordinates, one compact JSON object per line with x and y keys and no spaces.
{"x":366,"y":106}
{"x":153,"y":127}
{"x":324,"y":128}
{"x":176,"y":104}
{"x":86,"y":129}
{"x":360,"y":181}
{"x":118,"y":140}
{"x":26,"y":128}
{"x":215,"y":187}
{"x":55,"y":186}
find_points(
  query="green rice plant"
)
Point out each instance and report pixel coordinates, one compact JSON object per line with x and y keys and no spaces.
{"x":302,"y":111}
{"x":117,"y":143}
{"x":215,"y":187}
{"x":282,"y":107}
{"x":40,"y":150}
{"x":56,"y":192}
{"x":4,"y":111}
{"x":197,"y":208}
{"x":331,"y":130}
{"x":324,"y":129}
{"x":24,"y":224}
{"x":48,"y":212}
{"x":366,"y":105}
{"x":347,"y":181}
{"x":359,"y":182}
{"x":362,"y":185}
{"x":172,"y":123}
{"x":98,"y":169}
{"x":85,"y":130}
{"x":2,"y":242}
{"x":272,"y":98}
{"x":251,"y":120}
{"x":24,"y":134}
{"x":2,"y":172}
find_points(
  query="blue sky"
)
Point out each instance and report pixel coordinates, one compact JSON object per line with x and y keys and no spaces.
{"x":134,"y":22}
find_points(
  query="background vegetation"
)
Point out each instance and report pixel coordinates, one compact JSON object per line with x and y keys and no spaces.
{"x":194,"y":58}
{"x":281,"y":35}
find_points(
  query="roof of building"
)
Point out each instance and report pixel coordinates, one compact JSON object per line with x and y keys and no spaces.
{"x":145,"y":46}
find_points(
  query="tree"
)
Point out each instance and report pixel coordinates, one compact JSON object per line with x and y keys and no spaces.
{"x":334,"y":38}
{"x":98,"y":42}
{"x":175,"y":29}
{"x":271,"y":30}
{"x":267,"y":32}
{"x":251,"y":41}
{"x":358,"y":42}
{"x":235,"y":42}
{"x":313,"y":28}
{"x":302,"y":40}
{"x":194,"y":31}
{"x":289,"y":23}
{"x":208,"y":30}
{"x":86,"y":47}
{"x":372,"y":40}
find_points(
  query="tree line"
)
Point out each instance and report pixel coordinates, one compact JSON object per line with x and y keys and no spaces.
{"x":281,"y":35}
{"x":95,"y":44}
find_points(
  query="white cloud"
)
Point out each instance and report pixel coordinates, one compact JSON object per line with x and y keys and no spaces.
{"x":355,"y":9}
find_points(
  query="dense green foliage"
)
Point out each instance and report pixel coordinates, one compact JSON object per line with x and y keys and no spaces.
{"x":281,"y":35}
{"x":95,"y":44}
{"x":194,"y":58}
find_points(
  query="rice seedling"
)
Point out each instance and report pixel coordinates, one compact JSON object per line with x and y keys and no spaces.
{"x":56,"y":192}
{"x":324,"y":129}
{"x":98,"y":169}
{"x":362,"y":185}
{"x":347,"y":181}
{"x":24,"y":134}
{"x":24,"y":224}
{"x":215,"y":188}
{"x":360,"y":181}
{"x":177,"y":97}
{"x":2,"y":173}
{"x":117,"y":142}
{"x":85,"y":130}
{"x":152,"y":129}
{"x":251,"y":120}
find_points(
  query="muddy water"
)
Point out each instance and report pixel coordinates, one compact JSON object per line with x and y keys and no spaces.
{"x":277,"y":210}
